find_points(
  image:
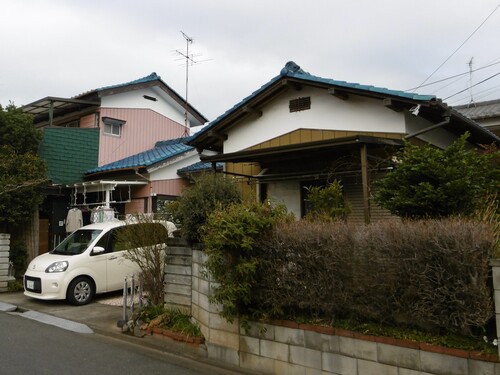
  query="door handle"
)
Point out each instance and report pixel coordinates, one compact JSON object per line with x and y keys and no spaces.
{"x":112,"y":257}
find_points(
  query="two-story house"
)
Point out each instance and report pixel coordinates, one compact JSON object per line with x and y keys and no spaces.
{"x":98,"y":128}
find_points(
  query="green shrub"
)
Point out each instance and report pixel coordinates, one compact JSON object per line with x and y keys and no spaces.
{"x":18,"y":255}
{"x":327,"y":202}
{"x":231,"y":237}
{"x":173,"y":319}
{"x":432,"y":183}
{"x":209,"y":192}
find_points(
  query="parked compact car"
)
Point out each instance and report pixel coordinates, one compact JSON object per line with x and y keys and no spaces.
{"x":89,"y":261}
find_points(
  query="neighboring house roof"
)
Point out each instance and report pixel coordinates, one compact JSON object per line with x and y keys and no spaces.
{"x":480,"y":110}
{"x":163,"y":150}
{"x":433,"y":109}
{"x":199,"y":167}
{"x":60,"y":106}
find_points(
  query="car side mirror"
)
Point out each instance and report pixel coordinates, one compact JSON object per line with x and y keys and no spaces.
{"x":98,"y":250}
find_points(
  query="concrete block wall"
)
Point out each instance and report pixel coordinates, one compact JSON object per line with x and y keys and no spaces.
{"x":278,"y":349}
{"x":495,"y":273}
{"x":221,"y":338}
{"x":4,"y":261}
{"x":178,"y":275}
{"x":281,"y":347}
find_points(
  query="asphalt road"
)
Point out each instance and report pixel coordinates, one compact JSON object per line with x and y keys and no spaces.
{"x":30,"y":347}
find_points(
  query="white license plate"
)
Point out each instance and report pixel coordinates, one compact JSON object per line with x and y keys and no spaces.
{"x":30,"y":284}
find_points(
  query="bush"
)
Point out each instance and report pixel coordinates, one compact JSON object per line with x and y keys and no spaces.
{"x":209,"y":192}
{"x":427,"y":274}
{"x":433,"y":183}
{"x":18,"y":255}
{"x":327,"y":202}
{"x":231,"y":237}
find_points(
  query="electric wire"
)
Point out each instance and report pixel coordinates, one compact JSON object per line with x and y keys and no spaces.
{"x":459,"y":47}
{"x":474,"y":85}
{"x":455,"y":76}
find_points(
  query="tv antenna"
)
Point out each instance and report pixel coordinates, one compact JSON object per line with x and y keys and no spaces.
{"x":189,"y":61}
{"x":470,"y":81}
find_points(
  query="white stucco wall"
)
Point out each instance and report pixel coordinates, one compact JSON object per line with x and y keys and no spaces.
{"x":168,"y":170}
{"x":327,"y":112}
{"x":288,"y":193}
{"x":437,"y":137}
{"x":165,"y":105}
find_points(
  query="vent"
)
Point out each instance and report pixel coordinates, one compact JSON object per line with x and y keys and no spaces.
{"x":300,"y":104}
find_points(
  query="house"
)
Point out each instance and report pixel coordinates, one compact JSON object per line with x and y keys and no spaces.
{"x":485,"y":113}
{"x":300,"y":130}
{"x":100,"y":127}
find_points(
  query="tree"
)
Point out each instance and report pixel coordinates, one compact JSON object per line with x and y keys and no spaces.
{"x":431,"y":183}
{"x":145,"y":241}
{"x":21,"y":170}
{"x":209,"y":192}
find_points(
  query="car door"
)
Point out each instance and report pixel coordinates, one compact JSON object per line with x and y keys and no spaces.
{"x":117,"y":265}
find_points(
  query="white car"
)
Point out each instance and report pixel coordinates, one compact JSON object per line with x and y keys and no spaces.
{"x":88,"y":261}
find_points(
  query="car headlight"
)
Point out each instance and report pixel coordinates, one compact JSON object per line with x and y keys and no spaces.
{"x":57,"y":267}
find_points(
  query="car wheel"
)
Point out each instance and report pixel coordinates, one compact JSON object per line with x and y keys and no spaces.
{"x":80,"y":291}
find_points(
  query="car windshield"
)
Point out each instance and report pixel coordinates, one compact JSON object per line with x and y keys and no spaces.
{"x":76,"y":242}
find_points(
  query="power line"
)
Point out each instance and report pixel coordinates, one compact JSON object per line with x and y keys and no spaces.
{"x":454,"y":76}
{"x":468,"y":88}
{"x":461,"y":45}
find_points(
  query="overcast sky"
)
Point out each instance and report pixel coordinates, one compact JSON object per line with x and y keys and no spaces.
{"x":66,"y":47}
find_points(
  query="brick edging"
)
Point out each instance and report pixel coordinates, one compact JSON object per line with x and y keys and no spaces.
{"x":468,"y":354}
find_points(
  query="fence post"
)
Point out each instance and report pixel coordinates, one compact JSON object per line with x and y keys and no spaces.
{"x":5,"y":266}
{"x":495,"y":272}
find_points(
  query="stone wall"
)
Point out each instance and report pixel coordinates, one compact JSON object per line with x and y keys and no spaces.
{"x":4,"y":261}
{"x":282,"y":347}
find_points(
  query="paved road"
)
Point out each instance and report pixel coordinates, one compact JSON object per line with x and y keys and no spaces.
{"x":30,"y":347}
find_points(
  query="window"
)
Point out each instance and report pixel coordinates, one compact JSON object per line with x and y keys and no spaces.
{"x":72,"y":124}
{"x":113,"y":126}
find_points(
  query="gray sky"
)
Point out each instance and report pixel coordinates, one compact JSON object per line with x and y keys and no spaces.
{"x":66,"y":47}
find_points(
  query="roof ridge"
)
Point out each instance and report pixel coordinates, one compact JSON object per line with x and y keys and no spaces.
{"x":149,"y":78}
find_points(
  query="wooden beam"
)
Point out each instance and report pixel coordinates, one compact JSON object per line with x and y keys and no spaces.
{"x":250,"y":110}
{"x":339,"y":94}
{"x":213,"y":134}
{"x":365,"y":181}
{"x":394,"y":105}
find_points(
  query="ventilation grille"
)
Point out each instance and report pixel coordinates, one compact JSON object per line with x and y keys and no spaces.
{"x":300,"y":104}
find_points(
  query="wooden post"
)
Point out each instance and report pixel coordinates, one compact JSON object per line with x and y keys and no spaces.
{"x":365,"y":181}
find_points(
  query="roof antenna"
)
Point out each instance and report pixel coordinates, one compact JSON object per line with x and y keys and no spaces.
{"x":470,"y":83}
{"x":189,"y":60}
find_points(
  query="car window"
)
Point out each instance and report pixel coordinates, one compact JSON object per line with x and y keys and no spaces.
{"x":77,"y":242}
{"x":118,"y":244}
{"x":142,"y":236}
{"x":103,"y":242}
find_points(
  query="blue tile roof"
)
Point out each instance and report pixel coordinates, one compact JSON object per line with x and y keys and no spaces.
{"x":162,"y":151}
{"x":199,"y":167}
{"x":152,"y":77}
{"x":292,"y":70}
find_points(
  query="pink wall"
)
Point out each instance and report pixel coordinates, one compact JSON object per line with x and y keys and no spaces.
{"x":143,"y":128}
{"x":169,"y":187}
